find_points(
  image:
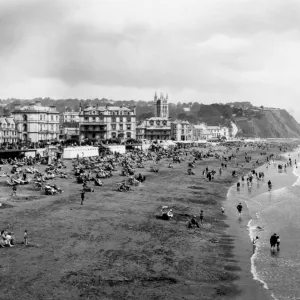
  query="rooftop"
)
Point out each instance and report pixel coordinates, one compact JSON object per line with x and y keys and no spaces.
{"x":104,"y":108}
{"x":37,"y":108}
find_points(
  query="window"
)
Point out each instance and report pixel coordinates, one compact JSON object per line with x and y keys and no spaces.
{"x":24,"y":117}
{"x":94,"y":118}
{"x":121,"y":126}
{"x":51,"y":118}
{"x":44,"y":117}
{"x":56,"y":118}
{"x":151,"y":122}
{"x":51,"y":127}
{"x":165,"y":123}
{"x":113,"y":126}
{"x":41,"y":117}
{"x":158,"y":122}
{"x":113,"y":119}
{"x":121,"y":119}
{"x":128,"y":119}
{"x":86,"y":118}
{"x":113,"y":135}
{"x":128,"y":127}
{"x":128,"y":134}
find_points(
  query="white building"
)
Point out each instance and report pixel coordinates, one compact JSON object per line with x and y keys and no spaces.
{"x":70,"y":117}
{"x":205,"y":132}
{"x":200,"y":132}
{"x":8,"y":133}
{"x":181,"y":131}
{"x":35,"y":122}
{"x":106,"y":122}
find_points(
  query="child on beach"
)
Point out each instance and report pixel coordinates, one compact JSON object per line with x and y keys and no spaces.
{"x":25,"y":237}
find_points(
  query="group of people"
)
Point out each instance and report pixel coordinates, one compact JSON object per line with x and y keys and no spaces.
{"x":274,"y":239}
{"x":7,"y":239}
{"x":167,"y":214}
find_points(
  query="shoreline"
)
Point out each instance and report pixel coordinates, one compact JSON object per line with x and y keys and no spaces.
{"x":250,"y":286}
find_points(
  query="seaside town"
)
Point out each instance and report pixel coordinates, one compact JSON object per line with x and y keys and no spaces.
{"x":36,"y":125}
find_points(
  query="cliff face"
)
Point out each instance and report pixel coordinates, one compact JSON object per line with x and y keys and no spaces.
{"x":269,"y":124}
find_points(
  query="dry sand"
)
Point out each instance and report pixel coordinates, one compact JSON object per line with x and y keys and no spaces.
{"x":113,"y":247}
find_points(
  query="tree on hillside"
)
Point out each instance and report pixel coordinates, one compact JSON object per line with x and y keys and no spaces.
{"x":190,"y":118}
{"x":145,"y":116}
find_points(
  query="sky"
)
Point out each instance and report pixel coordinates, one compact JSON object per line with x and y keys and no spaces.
{"x":209,"y":51}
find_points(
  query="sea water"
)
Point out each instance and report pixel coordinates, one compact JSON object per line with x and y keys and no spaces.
{"x":275,"y":210}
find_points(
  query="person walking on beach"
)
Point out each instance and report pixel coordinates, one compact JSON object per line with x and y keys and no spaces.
{"x":273,"y":242}
{"x":82,"y":196}
{"x":240,"y":208}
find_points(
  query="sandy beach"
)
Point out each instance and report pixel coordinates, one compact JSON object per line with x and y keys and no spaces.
{"x":115,"y":247}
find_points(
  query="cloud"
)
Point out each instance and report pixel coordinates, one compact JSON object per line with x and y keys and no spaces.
{"x":207,"y":51}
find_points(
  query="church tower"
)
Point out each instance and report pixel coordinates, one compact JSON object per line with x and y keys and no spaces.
{"x":161,"y":108}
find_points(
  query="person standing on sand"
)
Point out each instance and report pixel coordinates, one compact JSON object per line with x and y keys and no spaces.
{"x":201,"y":217}
{"x":25,"y":237}
{"x":240,"y":208}
{"x":82,"y":196}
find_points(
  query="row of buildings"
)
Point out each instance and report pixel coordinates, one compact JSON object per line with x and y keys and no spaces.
{"x":35,"y":123}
